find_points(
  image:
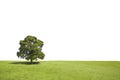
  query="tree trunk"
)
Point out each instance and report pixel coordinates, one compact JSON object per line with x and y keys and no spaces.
{"x":31,"y":61}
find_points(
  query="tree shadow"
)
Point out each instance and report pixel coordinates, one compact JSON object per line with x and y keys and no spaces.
{"x":25,"y":63}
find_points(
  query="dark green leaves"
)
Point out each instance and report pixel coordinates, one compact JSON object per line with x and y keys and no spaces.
{"x":30,"y":48}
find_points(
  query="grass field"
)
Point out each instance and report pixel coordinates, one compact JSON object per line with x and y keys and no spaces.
{"x":60,"y":70}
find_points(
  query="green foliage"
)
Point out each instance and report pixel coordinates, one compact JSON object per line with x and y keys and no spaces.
{"x":31,"y":49}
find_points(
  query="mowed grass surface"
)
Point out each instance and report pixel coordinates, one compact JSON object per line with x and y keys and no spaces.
{"x":60,"y":70}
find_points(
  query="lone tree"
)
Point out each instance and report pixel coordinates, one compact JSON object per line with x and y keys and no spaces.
{"x":31,"y":49}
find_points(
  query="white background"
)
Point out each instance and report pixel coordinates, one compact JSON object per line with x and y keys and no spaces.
{"x":70,"y":29}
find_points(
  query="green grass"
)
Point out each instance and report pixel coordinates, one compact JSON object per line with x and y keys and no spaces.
{"x":60,"y":70}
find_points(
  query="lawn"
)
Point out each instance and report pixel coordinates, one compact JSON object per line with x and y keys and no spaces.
{"x":60,"y":70}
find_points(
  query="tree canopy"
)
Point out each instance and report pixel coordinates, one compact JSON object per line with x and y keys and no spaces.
{"x":31,"y":48}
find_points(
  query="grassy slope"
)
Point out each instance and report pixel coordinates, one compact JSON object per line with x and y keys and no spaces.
{"x":60,"y":70}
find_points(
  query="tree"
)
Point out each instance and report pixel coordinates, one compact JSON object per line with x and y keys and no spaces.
{"x":31,"y":49}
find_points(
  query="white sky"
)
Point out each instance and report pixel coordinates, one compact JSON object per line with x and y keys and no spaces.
{"x":70,"y":29}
